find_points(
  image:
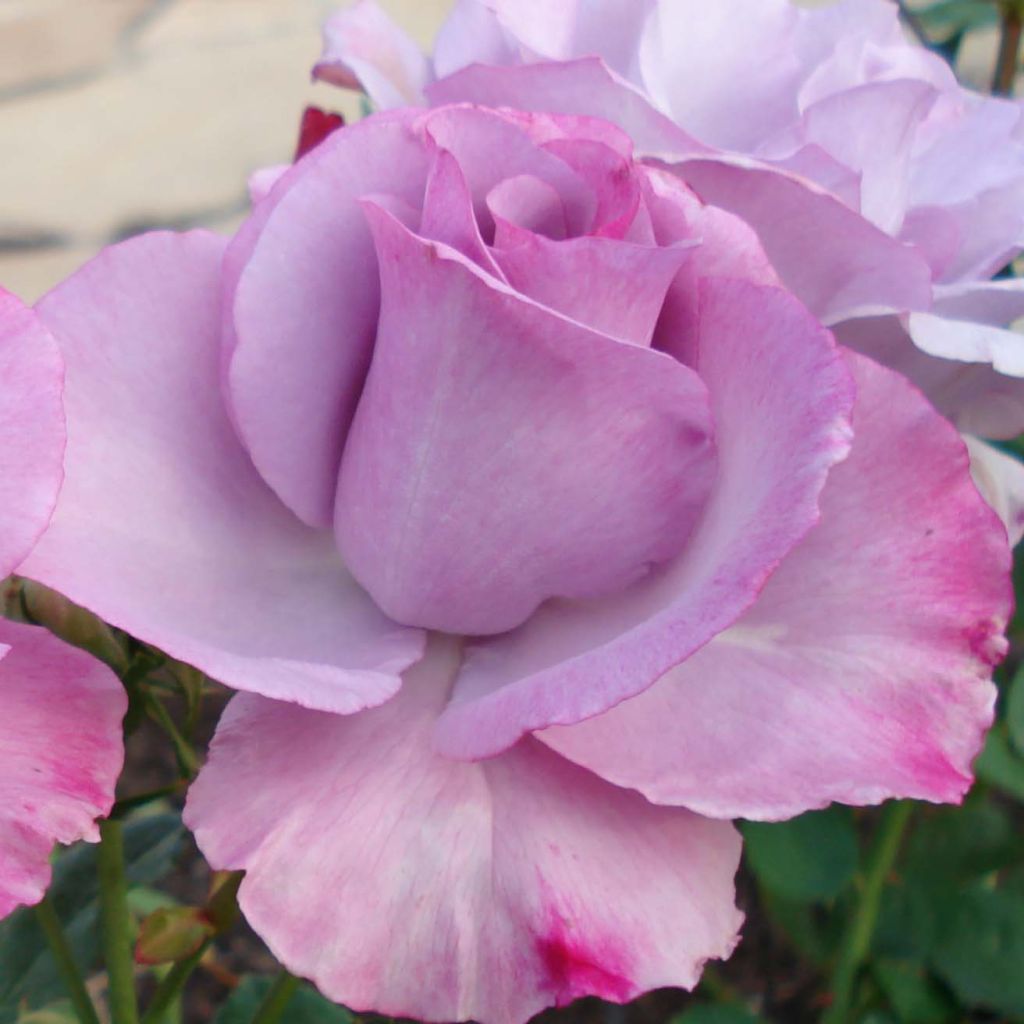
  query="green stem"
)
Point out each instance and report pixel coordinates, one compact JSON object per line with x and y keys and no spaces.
{"x":130,"y":803}
{"x":116,"y":925}
{"x":188,"y":763}
{"x":65,"y":961}
{"x":856,"y":940}
{"x":169,"y":989}
{"x":277,"y":999}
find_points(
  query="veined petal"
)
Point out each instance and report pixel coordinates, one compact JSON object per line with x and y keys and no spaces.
{"x":457,"y":891}
{"x":828,"y":255}
{"x":502,"y":455}
{"x":163,"y":527}
{"x":863,"y":671}
{"x":764,"y":360}
{"x":60,"y":754}
{"x":301,"y":299}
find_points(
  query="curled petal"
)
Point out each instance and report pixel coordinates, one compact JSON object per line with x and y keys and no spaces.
{"x":163,"y":527}
{"x":301,"y":298}
{"x":863,"y":671}
{"x":577,"y":87}
{"x":60,"y":754}
{"x":977,"y":398}
{"x":764,"y":360}
{"x":856,"y":268}
{"x":457,"y":891}
{"x":1000,"y":479}
{"x":502,"y":454}
{"x":616,"y":288}
{"x":365,"y":49}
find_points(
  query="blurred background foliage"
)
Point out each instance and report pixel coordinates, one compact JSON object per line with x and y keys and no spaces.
{"x":904,"y":914}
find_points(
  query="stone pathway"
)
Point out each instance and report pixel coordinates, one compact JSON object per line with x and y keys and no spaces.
{"x":121,"y":115}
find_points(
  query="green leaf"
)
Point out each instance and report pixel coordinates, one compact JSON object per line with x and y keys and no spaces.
{"x":307,"y":1006}
{"x":915,"y":997}
{"x":26,"y":968}
{"x":810,"y":858}
{"x":999,"y":765}
{"x":56,"y":1013}
{"x":953,"y":845}
{"x":949,"y":17}
{"x":981,"y":950}
{"x":1015,"y":710}
{"x":714,"y":1013}
{"x":948,"y":851}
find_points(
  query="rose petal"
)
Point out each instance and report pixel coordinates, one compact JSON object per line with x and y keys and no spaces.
{"x":60,"y":754}
{"x":314,"y":126}
{"x":725,"y":247}
{"x":301,"y":295}
{"x":491,"y":147}
{"x":502,"y":455}
{"x":863,"y":671}
{"x":457,"y":891}
{"x":364,"y":48}
{"x":873,"y":128}
{"x":614,"y":287}
{"x":31,"y":429}
{"x":522,"y":205}
{"x":968,"y":342}
{"x":765,"y":361}
{"x":448,"y":214}
{"x":163,"y":528}
{"x":856,"y":269}
{"x":471,"y":34}
{"x":694,"y":54}
{"x":1000,"y":479}
{"x":973,"y":395}
{"x":970,"y":323}
{"x":581,"y":87}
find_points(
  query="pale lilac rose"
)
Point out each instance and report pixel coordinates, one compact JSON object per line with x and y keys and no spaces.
{"x":60,"y":710}
{"x":879,"y":187}
{"x":506,"y":480}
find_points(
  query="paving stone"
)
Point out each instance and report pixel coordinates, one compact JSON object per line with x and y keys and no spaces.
{"x":44,"y":43}
{"x":156,"y":113}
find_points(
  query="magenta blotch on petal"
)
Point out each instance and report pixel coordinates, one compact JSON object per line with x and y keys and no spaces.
{"x":457,"y":892}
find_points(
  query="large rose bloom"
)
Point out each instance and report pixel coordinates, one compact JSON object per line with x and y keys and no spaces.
{"x":508,"y":443}
{"x":886,"y":195}
{"x":60,"y":710}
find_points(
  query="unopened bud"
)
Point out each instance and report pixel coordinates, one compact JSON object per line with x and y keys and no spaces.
{"x":172,"y":933}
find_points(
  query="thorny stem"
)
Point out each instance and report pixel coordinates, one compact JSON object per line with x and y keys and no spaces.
{"x":856,"y":939}
{"x":65,"y":962}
